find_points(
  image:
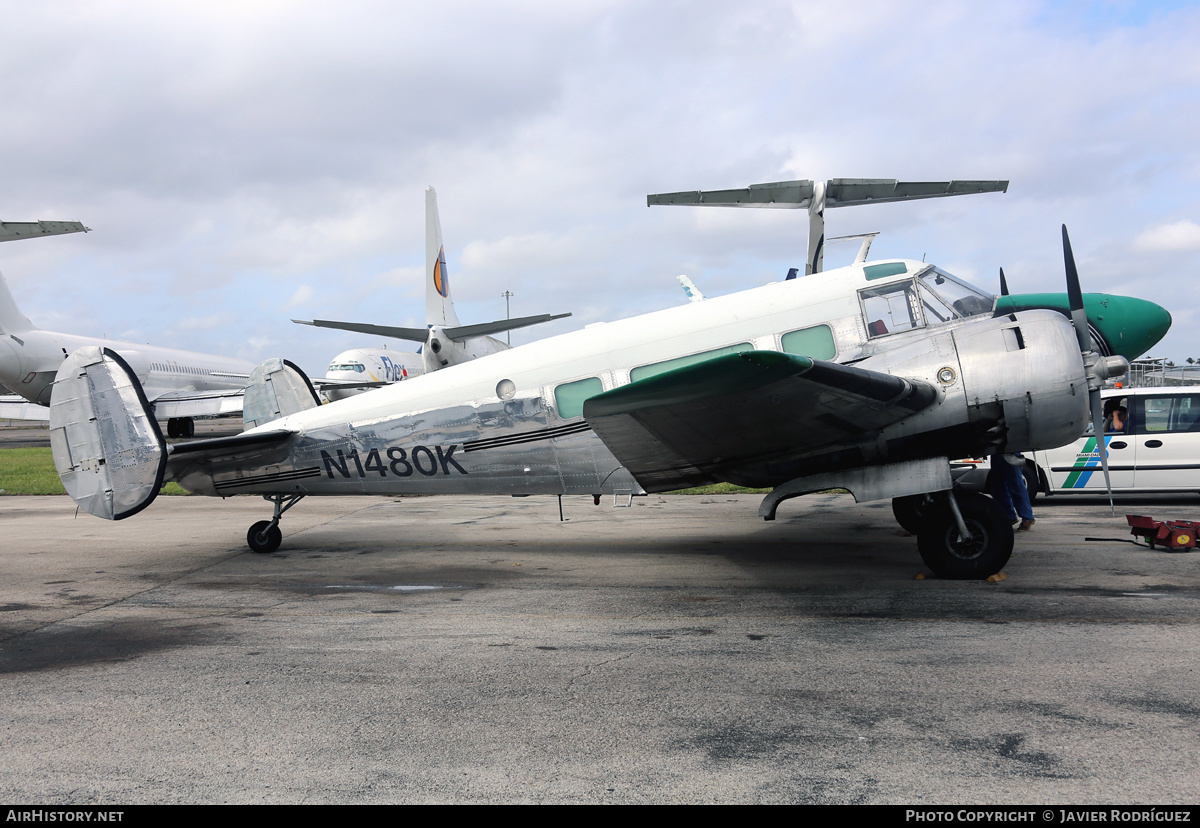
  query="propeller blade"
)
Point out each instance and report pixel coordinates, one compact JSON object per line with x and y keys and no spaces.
{"x":1003,"y":284}
{"x":1075,"y":296}
{"x":1101,"y":443}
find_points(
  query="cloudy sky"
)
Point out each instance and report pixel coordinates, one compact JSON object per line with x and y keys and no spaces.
{"x":243,"y":163}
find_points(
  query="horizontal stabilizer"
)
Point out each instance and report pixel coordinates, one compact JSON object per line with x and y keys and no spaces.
{"x":277,"y":388}
{"x":13,"y":230}
{"x":732,"y":417}
{"x":228,"y":448}
{"x":107,"y":447}
{"x":410,"y":334}
{"x":464,"y":332}
{"x":330,"y":384}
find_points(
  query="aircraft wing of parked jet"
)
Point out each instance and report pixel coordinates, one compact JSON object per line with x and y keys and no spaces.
{"x":869,"y":378}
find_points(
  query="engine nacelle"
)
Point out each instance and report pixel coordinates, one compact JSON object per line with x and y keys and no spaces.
{"x":1031,"y":365}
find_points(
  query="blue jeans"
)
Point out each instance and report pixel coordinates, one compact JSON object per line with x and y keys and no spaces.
{"x":1008,"y":489}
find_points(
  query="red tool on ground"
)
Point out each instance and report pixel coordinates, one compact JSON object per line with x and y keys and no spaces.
{"x":1173,"y":535}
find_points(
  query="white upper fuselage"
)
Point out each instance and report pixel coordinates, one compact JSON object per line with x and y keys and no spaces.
{"x":832,"y":306}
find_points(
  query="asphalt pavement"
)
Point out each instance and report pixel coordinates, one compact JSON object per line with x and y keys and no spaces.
{"x":473,"y":649}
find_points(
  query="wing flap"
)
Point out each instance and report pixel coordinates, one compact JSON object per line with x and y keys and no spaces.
{"x":716,"y":420}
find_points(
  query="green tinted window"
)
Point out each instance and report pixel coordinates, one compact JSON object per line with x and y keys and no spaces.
{"x":569,"y":396}
{"x":880,"y":270}
{"x":647,"y":371}
{"x":815,"y":342}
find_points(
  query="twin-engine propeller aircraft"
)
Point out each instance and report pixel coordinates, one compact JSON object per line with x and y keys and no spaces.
{"x":179,"y":384}
{"x":869,"y":377}
{"x":445,"y":340}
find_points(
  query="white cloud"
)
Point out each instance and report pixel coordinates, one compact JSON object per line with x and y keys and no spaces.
{"x":1179,"y":236}
{"x":301,"y":297}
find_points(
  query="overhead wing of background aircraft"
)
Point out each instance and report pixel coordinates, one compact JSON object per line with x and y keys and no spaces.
{"x":869,"y":378}
{"x":179,"y":385}
{"x":445,"y":341}
{"x":815,"y":196}
{"x":14,"y":230}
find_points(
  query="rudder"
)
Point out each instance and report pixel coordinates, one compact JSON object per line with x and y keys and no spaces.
{"x":108,"y":450}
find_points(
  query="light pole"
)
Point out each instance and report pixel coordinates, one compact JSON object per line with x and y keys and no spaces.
{"x":508,"y":294}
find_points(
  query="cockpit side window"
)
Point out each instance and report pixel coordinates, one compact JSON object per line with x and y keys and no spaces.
{"x":890,"y":309}
{"x":946,"y":297}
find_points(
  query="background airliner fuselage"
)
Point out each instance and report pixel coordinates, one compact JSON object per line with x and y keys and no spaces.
{"x":180,"y":384}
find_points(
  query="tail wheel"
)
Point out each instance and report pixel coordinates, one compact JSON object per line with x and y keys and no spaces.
{"x":951,"y":556}
{"x":264,"y":537}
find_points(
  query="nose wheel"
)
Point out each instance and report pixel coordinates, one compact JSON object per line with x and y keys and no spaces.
{"x":265,"y":536}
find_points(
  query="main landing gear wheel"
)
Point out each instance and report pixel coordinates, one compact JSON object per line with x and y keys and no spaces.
{"x":181,"y":427}
{"x":264,"y":537}
{"x":952,"y":556}
{"x":910,"y":511}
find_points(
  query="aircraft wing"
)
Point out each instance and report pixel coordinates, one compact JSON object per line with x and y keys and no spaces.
{"x":197,"y":403}
{"x":732,"y":417}
{"x":13,"y":407}
{"x":789,"y":194}
{"x":839,"y":192}
{"x":847,"y":192}
{"x":13,"y":230}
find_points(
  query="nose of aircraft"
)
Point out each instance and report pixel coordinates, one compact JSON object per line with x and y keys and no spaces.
{"x":1129,"y":326}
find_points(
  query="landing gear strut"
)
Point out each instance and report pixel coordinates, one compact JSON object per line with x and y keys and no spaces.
{"x":264,"y":537}
{"x":964,"y":536}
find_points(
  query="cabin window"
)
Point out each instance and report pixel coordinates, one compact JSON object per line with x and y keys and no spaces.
{"x":569,"y":396}
{"x":647,"y":371}
{"x":890,"y":309}
{"x":878,"y":271}
{"x":815,"y":342}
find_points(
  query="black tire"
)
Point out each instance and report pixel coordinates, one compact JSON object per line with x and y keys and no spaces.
{"x":264,"y":538}
{"x":985,"y":554}
{"x":187,"y":427}
{"x":173,"y":427}
{"x":910,"y":511}
{"x":1032,"y":483}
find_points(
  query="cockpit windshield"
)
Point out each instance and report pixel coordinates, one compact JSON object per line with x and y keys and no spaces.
{"x":356,"y":367}
{"x":945,"y":297}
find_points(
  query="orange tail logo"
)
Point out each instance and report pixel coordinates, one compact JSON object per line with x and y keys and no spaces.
{"x":441,"y":279}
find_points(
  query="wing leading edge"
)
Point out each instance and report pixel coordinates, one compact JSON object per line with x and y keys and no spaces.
{"x":731,"y":418}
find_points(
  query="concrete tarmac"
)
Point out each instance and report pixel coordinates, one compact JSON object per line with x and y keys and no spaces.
{"x":476,"y":649}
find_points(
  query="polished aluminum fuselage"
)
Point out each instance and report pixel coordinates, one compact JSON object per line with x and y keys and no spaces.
{"x":492,"y":426}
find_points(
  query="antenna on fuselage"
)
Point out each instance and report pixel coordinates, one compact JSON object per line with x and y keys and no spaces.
{"x":815,"y":196}
{"x":867,"y":238}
